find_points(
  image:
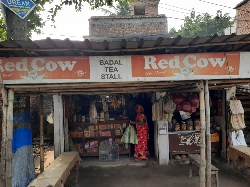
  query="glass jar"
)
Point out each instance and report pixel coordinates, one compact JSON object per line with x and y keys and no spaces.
{"x":183,"y":126}
{"x":197,"y":125}
{"x":74,"y":118}
{"x":170,"y":126}
{"x":177,"y":127}
{"x":190,"y":124}
{"x":79,"y":118}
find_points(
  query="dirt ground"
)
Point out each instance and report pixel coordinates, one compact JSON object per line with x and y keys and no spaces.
{"x":153,"y":175}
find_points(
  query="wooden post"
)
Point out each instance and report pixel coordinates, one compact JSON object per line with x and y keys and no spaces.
{"x":9,"y":135}
{"x":66,"y":116}
{"x":208,"y":168}
{"x":58,"y":125}
{"x":4,"y":128}
{"x":41,"y":136}
{"x":202,"y":138}
{"x":66,"y":134}
{"x":4,"y":139}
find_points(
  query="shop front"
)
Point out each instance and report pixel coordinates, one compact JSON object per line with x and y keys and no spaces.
{"x":105,"y":86}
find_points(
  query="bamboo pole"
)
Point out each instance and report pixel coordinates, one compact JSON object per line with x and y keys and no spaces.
{"x":202,"y":138}
{"x":9,"y":135}
{"x":4,"y":138}
{"x":208,"y":168}
{"x":41,"y":136}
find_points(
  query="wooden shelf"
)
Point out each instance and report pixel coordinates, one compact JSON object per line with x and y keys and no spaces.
{"x":99,"y":122}
{"x":76,"y":137}
{"x":93,"y":137}
{"x":89,"y":154}
{"x":92,"y":126}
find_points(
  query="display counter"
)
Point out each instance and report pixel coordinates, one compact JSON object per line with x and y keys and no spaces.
{"x":186,"y":142}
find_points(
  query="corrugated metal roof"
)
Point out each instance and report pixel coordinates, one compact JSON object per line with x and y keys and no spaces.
{"x":129,"y":46}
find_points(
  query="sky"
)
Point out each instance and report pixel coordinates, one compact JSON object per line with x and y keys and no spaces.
{"x":74,"y":25}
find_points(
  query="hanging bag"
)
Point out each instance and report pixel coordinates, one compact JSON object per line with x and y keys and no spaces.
{"x":237,"y":138}
{"x":129,"y":135}
{"x":236,"y":115}
{"x":50,"y":118}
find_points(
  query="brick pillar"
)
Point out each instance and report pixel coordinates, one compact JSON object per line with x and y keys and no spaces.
{"x":151,"y":9}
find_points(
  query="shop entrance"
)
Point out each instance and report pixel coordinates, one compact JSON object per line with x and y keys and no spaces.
{"x":99,"y":122}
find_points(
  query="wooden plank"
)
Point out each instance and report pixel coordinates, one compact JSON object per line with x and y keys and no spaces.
{"x":208,"y":136}
{"x":9,"y":136}
{"x":202,"y":138}
{"x":235,"y":152}
{"x":196,"y":159}
{"x":41,"y":136}
{"x":58,"y":171}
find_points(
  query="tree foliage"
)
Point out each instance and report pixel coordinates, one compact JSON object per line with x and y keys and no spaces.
{"x":122,"y":8}
{"x":35,"y":21}
{"x":94,"y":4}
{"x":203,"y":25}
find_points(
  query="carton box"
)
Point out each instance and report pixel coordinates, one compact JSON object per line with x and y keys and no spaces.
{"x":91,"y":131}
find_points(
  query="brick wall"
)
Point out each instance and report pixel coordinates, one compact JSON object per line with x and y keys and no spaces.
{"x":124,"y":26}
{"x":150,"y":7}
{"x":243,"y":19}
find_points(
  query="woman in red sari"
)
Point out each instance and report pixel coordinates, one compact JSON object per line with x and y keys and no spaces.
{"x":141,"y":149}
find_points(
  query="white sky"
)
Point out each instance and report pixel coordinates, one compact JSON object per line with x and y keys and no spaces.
{"x":74,"y":25}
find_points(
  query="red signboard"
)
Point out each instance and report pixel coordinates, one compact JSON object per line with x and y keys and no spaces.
{"x":45,"y":68}
{"x":186,"y":64}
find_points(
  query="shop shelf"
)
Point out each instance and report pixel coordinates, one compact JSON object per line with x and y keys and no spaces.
{"x":93,"y":137}
{"x":93,"y":127}
{"x":90,"y":154}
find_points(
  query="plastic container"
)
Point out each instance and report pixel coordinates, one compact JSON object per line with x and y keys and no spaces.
{"x":104,"y":153}
{"x":170,"y":126}
{"x":114,"y":153}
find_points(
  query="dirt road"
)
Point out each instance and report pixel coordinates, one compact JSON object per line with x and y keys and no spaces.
{"x":153,"y":175}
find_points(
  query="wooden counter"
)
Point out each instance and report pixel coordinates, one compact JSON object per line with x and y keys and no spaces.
{"x":186,"y":142}
{"x":239,"y":153}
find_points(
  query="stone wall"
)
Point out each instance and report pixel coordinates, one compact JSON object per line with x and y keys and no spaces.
{"x":243,"y":19}
{"x":124,"y":26}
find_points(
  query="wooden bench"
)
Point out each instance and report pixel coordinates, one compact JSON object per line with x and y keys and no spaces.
{"x":195,"y":158}
{"x":58,"y":171}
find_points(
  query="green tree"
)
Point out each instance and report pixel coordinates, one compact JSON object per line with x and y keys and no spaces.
{"x":122,"y":8}
{"x":34,"y":22}
{"x":203,"y":25}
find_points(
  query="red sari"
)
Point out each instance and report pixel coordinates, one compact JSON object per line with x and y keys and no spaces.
{"x":141,"y":149}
